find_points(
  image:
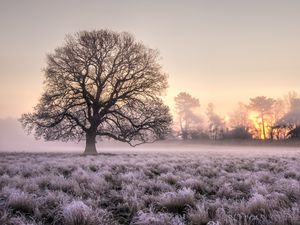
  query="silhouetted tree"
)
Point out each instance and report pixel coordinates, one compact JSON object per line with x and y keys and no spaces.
{"x":279,"y":110}
{"x":263,"y":106}
{"x":289,"y":99}
{"x":240,"y":116}
{"x":239,"y":123}
{"x":185,"y":104}
{"x":101,"y":83}
{"x":216,"y":123}
{"x":291,"y":120}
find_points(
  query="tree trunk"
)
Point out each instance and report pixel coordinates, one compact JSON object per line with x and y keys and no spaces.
{"x":263,"y":126}
{"x":90,"y":145}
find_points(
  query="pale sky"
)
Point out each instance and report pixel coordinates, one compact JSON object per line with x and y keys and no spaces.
{"x":218,"y":51}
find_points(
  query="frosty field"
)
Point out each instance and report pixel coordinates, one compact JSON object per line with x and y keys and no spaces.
{"x":143,"y":188}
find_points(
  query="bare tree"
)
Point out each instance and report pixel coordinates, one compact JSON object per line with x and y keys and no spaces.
{"x":263,"y":106}
{"x":101,"y":83}
{"x":216,"y":124}
{"x":239,"y":123}
{"x":289,"y":99}
{"x":240,"y":116}
{"x":185,"y":104}
{"x":290,"y":122}
{"x":279,"y":109}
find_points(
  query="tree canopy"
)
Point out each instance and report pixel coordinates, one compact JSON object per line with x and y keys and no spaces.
{"x":185,"y":104}
{"x":101,"y":83}
{"x":263,"y":106}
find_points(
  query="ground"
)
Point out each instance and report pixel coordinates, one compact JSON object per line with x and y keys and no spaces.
{"x":241,"y":186}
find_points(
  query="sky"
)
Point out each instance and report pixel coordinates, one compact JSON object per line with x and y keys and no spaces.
{"x":218,"y":51}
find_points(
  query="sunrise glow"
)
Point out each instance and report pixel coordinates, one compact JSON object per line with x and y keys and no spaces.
{"x":256,"y":125}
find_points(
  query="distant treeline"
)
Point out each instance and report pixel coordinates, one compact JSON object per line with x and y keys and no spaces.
{"x":262,"y":119}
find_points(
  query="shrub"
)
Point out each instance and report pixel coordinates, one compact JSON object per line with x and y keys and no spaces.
{"x":77,"y":213}
{"x":239,"y":132}
{"x":21,"y":202}
{"x":178,"y":202}
{"x":198,"y":216}
{"x":151,"y":218}
{"x":257,"y":204}
{"x":148,"y":188}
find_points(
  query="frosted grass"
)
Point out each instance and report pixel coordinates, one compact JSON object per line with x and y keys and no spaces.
{"x":150,"y":188}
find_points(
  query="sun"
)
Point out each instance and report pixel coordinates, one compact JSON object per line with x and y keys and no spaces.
{"x":256,"y":125}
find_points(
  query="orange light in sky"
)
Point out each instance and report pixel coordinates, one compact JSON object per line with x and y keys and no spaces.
{"x":256,"y":125}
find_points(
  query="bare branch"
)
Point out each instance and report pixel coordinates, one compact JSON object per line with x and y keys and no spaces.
{"x":101,"y":83}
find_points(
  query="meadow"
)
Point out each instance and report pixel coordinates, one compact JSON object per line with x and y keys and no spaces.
{"x":141,"y":188}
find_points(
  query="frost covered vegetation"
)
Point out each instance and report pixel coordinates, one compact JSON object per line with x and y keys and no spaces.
{"x":149,"y":188}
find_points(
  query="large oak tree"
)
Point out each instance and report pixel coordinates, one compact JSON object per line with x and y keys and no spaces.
{"x":101,"y":83}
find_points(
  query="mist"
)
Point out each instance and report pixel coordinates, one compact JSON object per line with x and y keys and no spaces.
{"x":150,"y":112}
{"x":13,"y":138}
